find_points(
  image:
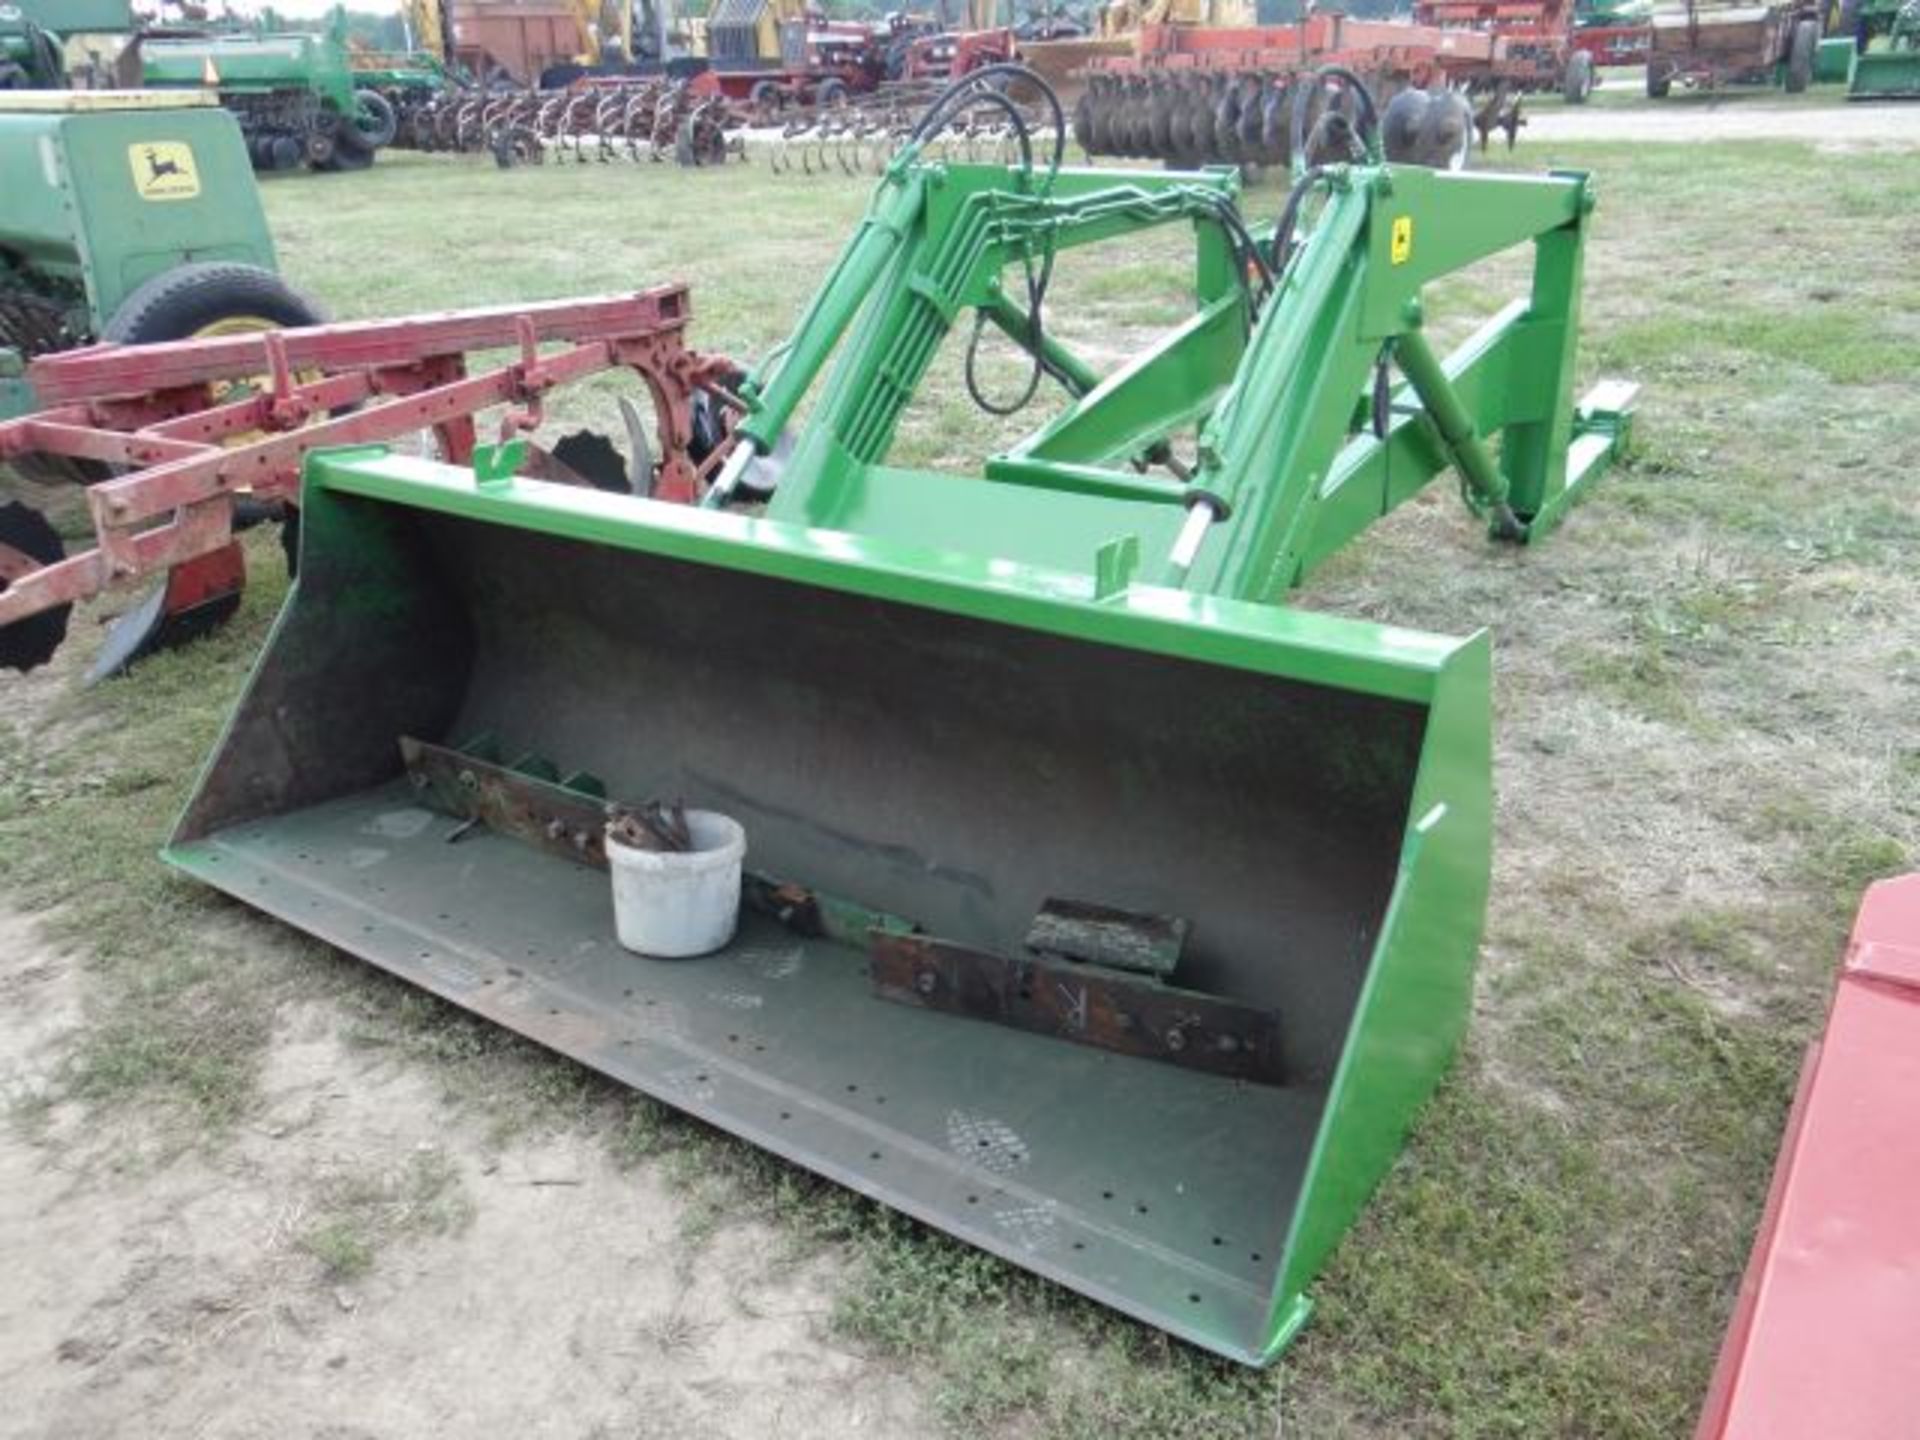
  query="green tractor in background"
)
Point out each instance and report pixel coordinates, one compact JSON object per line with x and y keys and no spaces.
{"x":1884,"y":48}
{"x":129,"y":217}
{"x":293,"y":92}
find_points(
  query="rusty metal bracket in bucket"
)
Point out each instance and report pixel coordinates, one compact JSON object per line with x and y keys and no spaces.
{"x":1045,"y":719}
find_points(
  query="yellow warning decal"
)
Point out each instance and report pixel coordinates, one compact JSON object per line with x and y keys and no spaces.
{"x":1400,"y":245}
{"x":163,"y":170}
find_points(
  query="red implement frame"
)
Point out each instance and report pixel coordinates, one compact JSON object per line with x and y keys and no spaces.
{"x":1823,"y":1332}
{"x":153,"y":407}
{"x":1421,"y":53}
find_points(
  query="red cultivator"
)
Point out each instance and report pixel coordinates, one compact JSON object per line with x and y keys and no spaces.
{"x":199,"y":438}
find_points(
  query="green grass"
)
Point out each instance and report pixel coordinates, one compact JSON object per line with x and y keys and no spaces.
{"x":1706,"y":684}
{"x":355,"y":1213}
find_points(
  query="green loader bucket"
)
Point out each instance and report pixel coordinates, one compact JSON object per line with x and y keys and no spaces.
{"x":960,"y":779}
{"x":1886,"y":74}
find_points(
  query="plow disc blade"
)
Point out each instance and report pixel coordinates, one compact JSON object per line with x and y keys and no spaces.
{"x":1121,"y":937}
{"x":197,"y":598}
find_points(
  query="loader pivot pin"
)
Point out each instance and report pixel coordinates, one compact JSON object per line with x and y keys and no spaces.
{"x":1203,"y":509}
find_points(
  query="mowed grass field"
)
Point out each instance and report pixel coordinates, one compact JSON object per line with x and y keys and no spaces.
{"x":1706,"y":692}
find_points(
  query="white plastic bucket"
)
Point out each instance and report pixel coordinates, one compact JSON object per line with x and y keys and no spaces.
{"x":673,"y":904}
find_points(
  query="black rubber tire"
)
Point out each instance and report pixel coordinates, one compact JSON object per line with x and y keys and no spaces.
{"x":32,"y":641}
{"x":346,"y":158}
{"x":374,"y":126}
{"x":831,"y":92}
{"x":187,"y":299}
{"x":1577,"y":84}
{"x":1806,"y":38}
{"x":1659,"y":79}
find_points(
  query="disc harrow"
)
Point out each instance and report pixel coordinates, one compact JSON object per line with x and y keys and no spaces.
{"x":1193,"y":117}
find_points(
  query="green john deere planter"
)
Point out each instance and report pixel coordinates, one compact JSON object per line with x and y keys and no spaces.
{"x":294,"y":94}
{"x":1101,"y":908}
{"x":129,"y":217}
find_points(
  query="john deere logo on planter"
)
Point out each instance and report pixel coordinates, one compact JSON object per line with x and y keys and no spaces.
{"x":163,"y":170}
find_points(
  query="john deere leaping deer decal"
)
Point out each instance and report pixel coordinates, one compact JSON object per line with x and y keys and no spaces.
{"x":163,"y":170}
{"x":158,"y":168}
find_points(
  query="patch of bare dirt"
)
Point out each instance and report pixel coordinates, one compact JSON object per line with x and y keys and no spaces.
{"x":180,"y":1296}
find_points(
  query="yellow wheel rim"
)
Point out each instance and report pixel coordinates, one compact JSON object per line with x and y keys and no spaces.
{"x":220,"y":392}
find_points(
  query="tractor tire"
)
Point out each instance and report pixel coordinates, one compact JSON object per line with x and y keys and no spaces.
{"x":1577,"y":84}
{"x":373,"y":127}
{"x":1659,"y":79}
{"x":194,"y":299}
{"x":831,"y":92}
{"x":32,"y":641}
{"x":346,"y":158}
{"x":1806,"y":39}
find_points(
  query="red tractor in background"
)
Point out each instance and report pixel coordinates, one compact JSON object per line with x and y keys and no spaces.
{"x":950,"y":54}
{"x":777,"y":53}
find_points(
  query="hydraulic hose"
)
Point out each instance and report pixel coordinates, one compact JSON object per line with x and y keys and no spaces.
{"x":1303,"y":186}
{"x":972,"y":86}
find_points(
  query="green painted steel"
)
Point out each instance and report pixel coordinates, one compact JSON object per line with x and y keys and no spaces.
{"x":1833,"y":60}
{"x":79,"y":17}
{"x":244,"y":63}
{"x":947,"y":697}
{"x":100,"y":200}
{"x":1888,"y":68}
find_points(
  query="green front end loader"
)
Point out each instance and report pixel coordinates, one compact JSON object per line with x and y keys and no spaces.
{"x":1100,"y":907}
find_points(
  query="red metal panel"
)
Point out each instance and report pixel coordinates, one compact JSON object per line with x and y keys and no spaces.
{"x":100,"y":371}
{"x":157,"y":407}
{"x":1827,"y":1324}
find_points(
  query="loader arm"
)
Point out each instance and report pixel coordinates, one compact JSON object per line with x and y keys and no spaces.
{"x":1286,"y":467}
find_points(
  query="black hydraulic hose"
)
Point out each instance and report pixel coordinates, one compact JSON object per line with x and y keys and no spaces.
{"x":1290,"y":218}
{"x":1246,"y":251}
{"x":1369,"y":127}
{"x":1019,"y":121}
{"x":1036,"y":296}
{"x":968,"y":91}
{"x":973,"y":82}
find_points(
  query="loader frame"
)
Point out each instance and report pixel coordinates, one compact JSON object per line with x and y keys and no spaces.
{"x":941,"y":704}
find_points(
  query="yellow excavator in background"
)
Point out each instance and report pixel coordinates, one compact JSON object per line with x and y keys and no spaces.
{"x":1123,"y":17}
{"x":428,"y":27}
{"x":607,"y":28}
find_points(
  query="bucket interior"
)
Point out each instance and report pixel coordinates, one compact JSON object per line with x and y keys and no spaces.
{"x":948,"y":769}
